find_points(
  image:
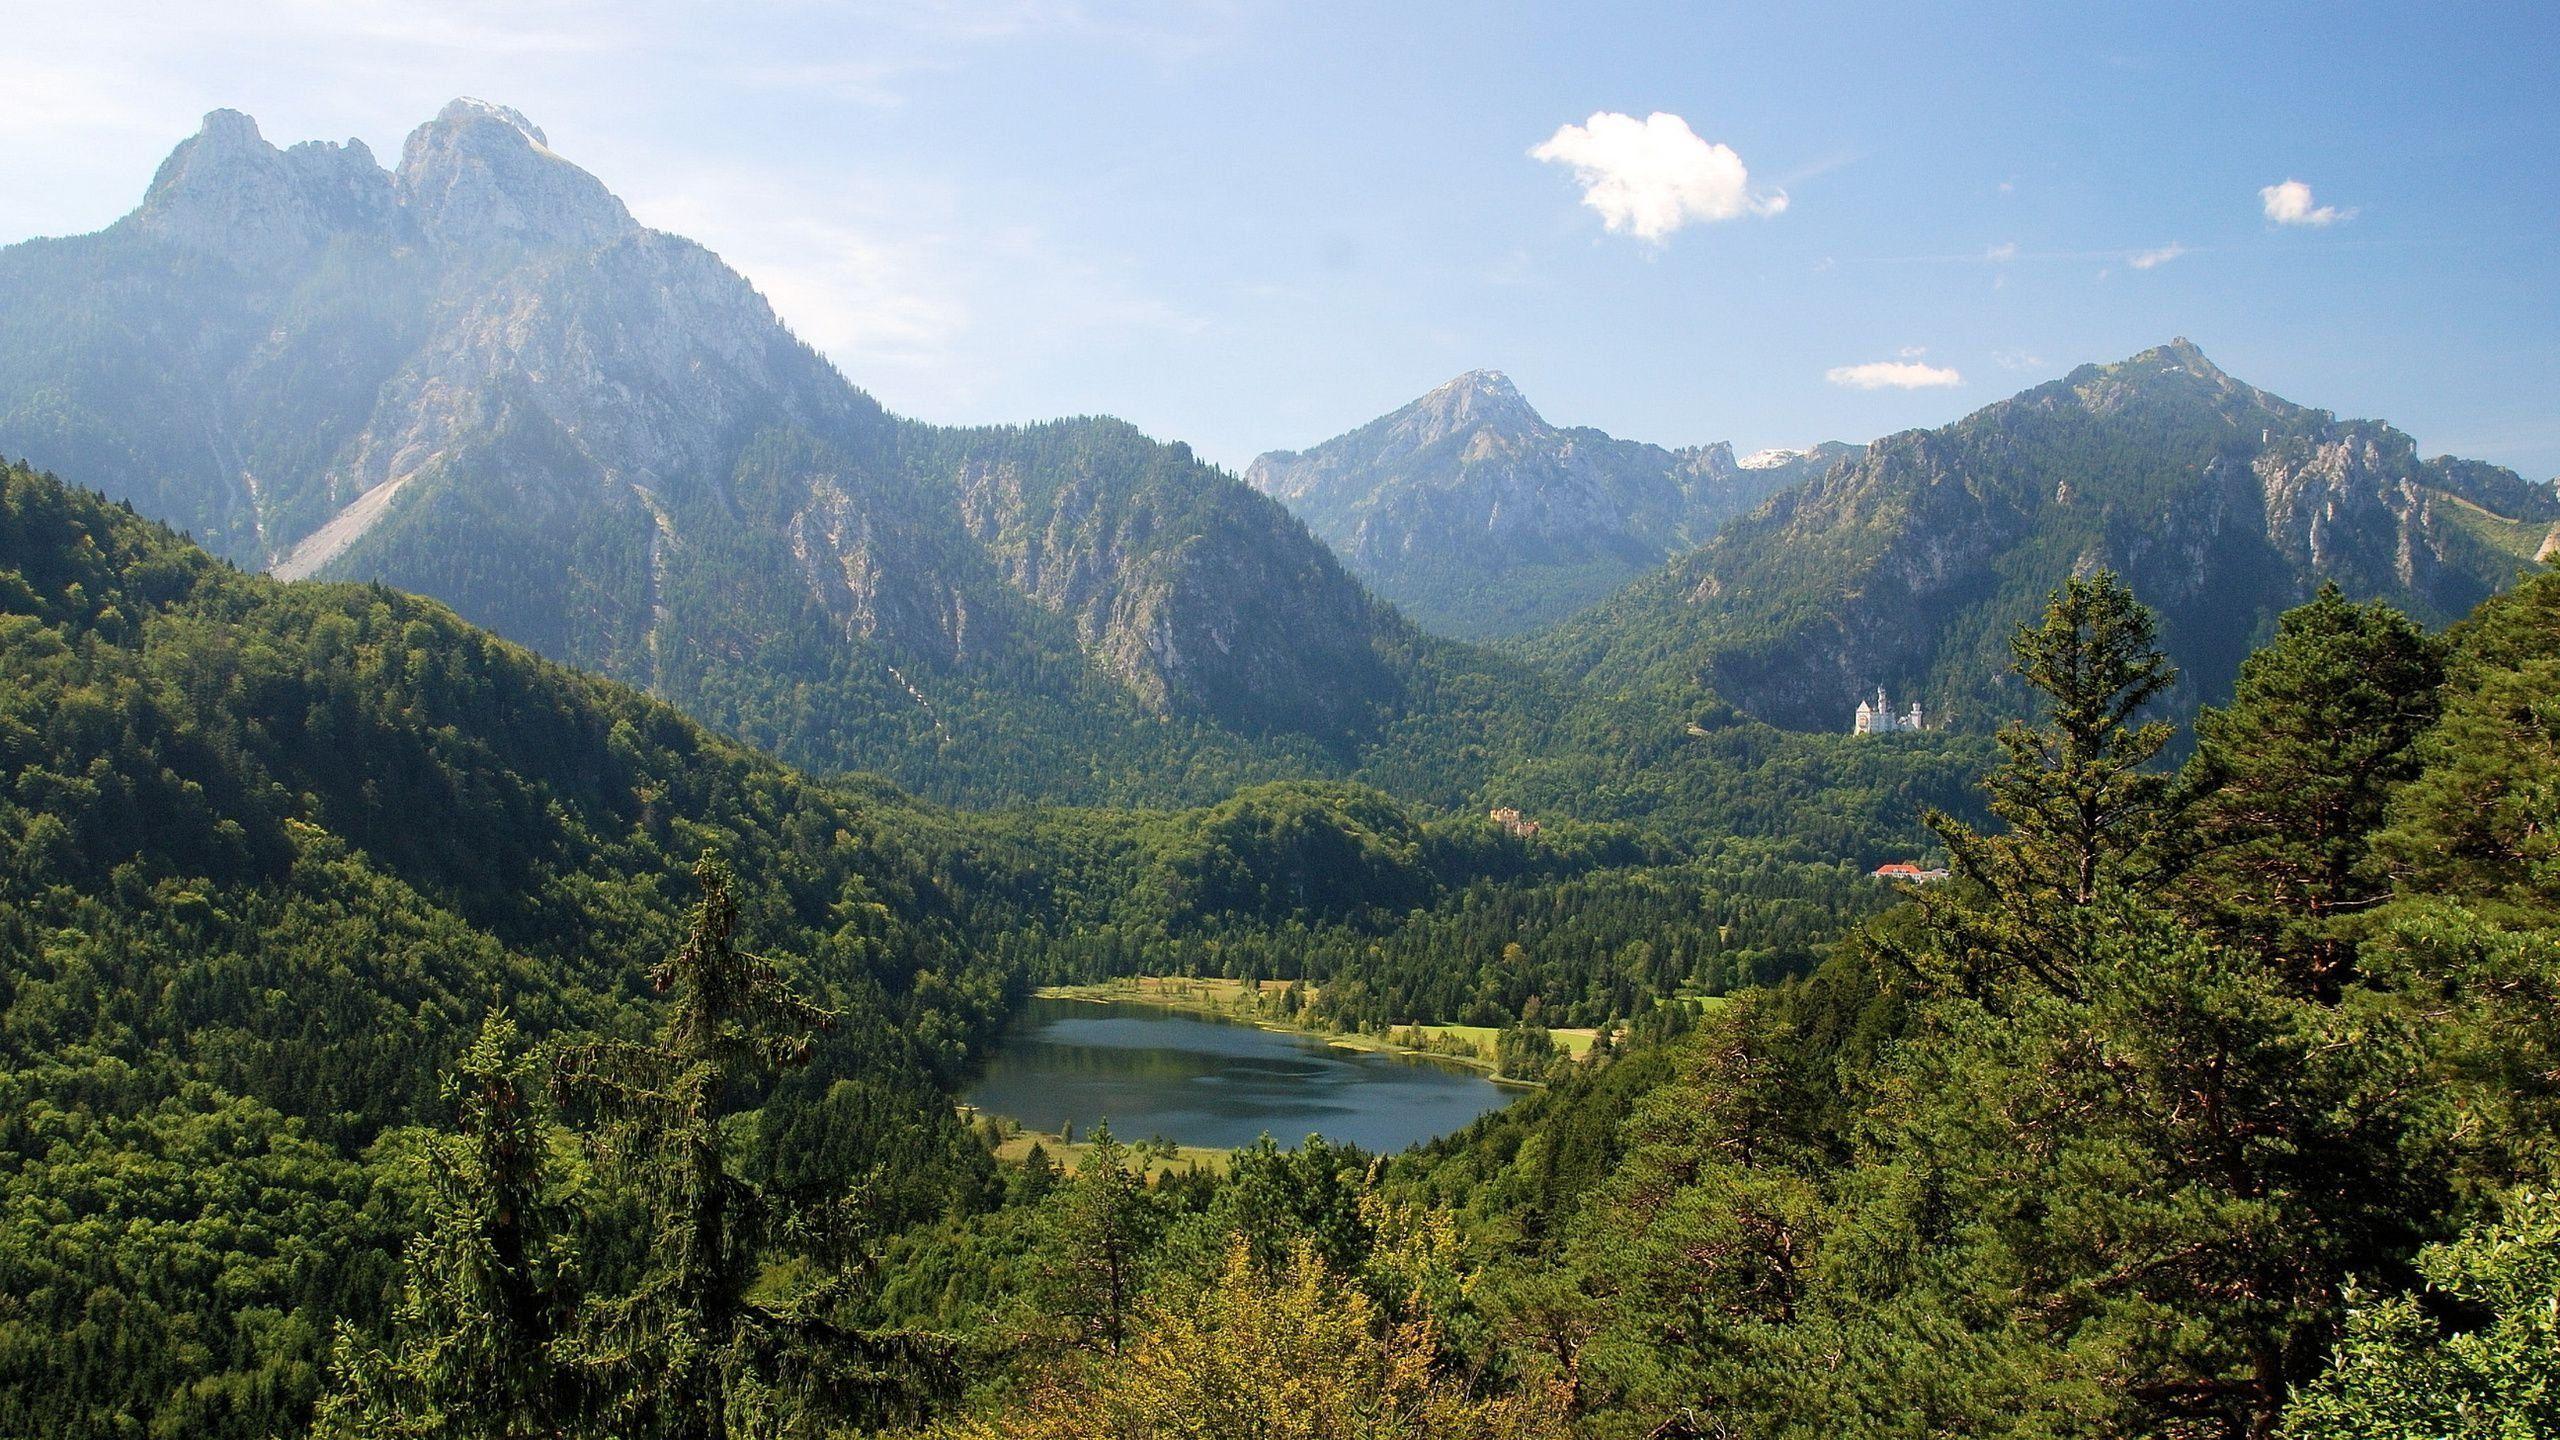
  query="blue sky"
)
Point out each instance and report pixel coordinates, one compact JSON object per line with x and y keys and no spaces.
{"x":1255,"y":225}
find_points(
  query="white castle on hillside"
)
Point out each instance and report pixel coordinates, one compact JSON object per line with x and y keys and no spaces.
{"x":1879,"y":719}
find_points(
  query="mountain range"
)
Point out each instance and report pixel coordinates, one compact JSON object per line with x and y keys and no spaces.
{"x":1480,"y":519}
{"x":477,"y":377}
{"x":1909,"y":566}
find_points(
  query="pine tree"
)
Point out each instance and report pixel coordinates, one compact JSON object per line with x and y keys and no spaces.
{"x":2481,"y":824}
{"x":1103,"y":1223}
{"x":2293,"y":778}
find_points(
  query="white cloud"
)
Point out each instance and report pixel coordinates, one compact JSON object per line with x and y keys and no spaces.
{"x":2002,"y":253}
{"x":1649,"y":177}
{"x":2290,"y":204}
{"x":2154,"y":259}
{"x":1892,"y":375}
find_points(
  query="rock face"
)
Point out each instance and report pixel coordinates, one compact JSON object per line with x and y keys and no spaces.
{"x":1908,"y":567}
{"x":480,"y":174}
{"x":227,"y":193}
{"x":1479,"y":518}
{"x":477,"y":377}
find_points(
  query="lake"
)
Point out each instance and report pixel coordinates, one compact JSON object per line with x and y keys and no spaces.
{"x":1153,"y":1072}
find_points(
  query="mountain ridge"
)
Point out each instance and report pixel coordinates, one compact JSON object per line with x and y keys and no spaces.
{"x":477,"y":377}
{"x":1478,"y":517}
{"x":1907,"y":567}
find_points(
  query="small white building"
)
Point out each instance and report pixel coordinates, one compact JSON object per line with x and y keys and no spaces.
{"x":1879,"y":719}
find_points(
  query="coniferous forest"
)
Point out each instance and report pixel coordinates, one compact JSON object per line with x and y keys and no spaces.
{"x":409,"y":1036}
{"x":566,"y":873}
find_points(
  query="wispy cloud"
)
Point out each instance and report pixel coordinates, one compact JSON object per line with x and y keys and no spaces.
{"x":1892,"y":375}
{"x":1649,"y":177}
{"x":2002,"y":253}
{"x":2154,"y":259}
{"x":2290,"y":203}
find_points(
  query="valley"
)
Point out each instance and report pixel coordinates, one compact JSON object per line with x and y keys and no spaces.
{"x":565,"y":871}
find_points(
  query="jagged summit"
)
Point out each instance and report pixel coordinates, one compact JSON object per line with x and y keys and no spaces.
{"x":229,"y":129}
{"x":1471,"y":511}
{"x":1477,"y":398}
{"x":2180,"y":356}
{"x":479,"y":173}
{"x":2177,"y":375}
{"x":465,"y":110}
{"x":225,"y":191}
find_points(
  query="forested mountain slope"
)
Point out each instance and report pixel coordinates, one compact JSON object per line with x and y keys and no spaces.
{"x":274,"y":850}
{"x":476,"y":377}
{"x":1480,"y":519}
{"x":2215,"y":1104}
{"x":1909,"y":567}
{"x":271,"y":852}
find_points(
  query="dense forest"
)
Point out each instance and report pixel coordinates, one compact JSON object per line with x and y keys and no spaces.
{"x":407,"y":1036}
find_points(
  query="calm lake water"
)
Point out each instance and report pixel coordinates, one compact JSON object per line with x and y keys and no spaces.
{"x":1155,"y":1073}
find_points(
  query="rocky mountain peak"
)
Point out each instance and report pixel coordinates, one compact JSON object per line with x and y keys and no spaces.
{"x":1479,"y":397}
{"x":227,"y":129}
{"x":226,"y":191}
{"x":2176,"y":376}
{"x":480,"y":173}
{"x":464,"y":110}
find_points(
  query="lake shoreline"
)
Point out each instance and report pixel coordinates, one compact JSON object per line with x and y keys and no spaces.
{"x":1210,"y":1078}
{"x":1227,"y":1000}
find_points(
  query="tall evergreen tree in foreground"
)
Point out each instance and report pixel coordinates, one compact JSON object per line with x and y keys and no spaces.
{"x":2093,"y":1169}
{"x":671,"y":1327}
{"x":2473,"y":853}
{"x":486,"y":1291}
{"x":2294,"y":777}
{"x":2083,"y":814}
{"x":685,"y":1351}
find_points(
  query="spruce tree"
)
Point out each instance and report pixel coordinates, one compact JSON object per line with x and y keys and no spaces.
{"x":2083,"y":812}
{"x":685,"y":1351}
{"x":471,"y":1348}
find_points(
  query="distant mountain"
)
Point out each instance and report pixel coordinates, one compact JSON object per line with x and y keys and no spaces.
{"x":477,"y":377}
{"x":1909,"y":567}
{"x":1480,"y":519}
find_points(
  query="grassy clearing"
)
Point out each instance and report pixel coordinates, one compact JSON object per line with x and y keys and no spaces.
{"x":1468,"y":1045}
{"x":1016,"y":1149}
{"x":2523,"y":539}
